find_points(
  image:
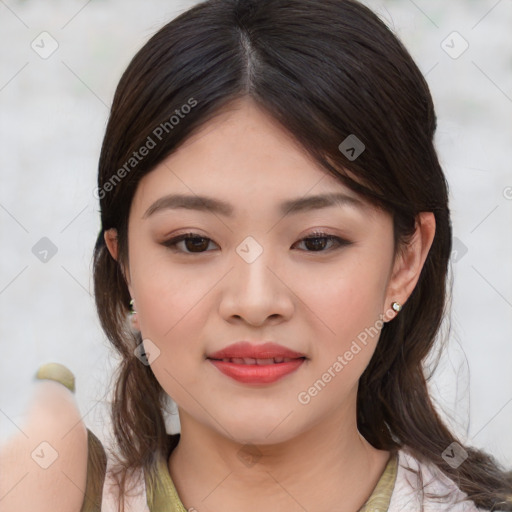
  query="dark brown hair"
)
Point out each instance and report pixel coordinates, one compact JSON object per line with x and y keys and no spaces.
{"x":324,"y":70}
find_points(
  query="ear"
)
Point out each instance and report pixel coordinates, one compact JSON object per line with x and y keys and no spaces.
{"x":111,"y":241}
{"x":409,"y":262}
{"x":110,"y":237}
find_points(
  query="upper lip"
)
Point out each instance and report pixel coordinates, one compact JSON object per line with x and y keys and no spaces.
{"x":243,"y":349}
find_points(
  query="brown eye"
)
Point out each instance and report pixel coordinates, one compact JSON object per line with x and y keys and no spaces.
{"x":192,"y":242}
{"x":320,"y":241}
{"x":317,"y":243}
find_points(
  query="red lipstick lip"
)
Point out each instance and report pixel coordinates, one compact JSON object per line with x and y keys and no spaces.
{"x":243,"y":349}
{"x":257,"y":374}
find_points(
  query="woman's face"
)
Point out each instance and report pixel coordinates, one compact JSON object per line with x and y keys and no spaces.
{"x":251,"y":275}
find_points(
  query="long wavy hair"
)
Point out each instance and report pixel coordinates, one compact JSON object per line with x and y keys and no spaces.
{"x":324,"y":70}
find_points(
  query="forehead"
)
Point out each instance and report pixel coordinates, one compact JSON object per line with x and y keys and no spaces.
{"x":241,"y":137}
{"x":245,"y":157}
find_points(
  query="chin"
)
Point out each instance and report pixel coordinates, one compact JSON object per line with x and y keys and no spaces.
{"x":248,"y":430}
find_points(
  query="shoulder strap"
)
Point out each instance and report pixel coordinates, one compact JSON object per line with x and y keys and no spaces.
{"x":161,"y":493}
{"x":96,"y":457}
{"x":96,"y":470}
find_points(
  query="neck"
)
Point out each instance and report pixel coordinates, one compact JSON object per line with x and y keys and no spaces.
{"x":329,"y":466}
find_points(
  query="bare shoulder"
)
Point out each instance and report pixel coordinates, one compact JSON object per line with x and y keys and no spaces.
{"x":44,"y":466}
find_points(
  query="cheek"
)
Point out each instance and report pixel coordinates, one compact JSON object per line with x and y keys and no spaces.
{"x":347,"y":311}
{"x":171,"y":310}
{"x":348,"y":293}
{"x":173,"y":306}
{"x":167,"y":294}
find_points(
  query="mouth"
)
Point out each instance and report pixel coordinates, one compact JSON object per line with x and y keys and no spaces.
{"x":256,"y":363}
{"x":248,"y":370}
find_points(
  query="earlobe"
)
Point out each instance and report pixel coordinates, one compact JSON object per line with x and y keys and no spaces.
{"x":411,"y":259}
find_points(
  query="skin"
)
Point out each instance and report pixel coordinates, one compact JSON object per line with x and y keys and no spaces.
{"x":312,"y":298}
{"x":34,"y":475}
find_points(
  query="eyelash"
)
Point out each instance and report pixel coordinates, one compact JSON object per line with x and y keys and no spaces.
{"x":340,"y":242}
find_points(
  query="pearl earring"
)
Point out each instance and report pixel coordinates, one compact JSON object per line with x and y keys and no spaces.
{"x":396,"y":306}
{"x":133,"y":314}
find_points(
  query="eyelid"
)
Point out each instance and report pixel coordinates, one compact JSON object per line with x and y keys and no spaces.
{"x":172,"y":242}
{"x":339,"y":242}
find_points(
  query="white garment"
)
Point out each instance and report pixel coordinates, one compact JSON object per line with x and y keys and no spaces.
{"x":407,"y":493}
{"x":135,"y":502}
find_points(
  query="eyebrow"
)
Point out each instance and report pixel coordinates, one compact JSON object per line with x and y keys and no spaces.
{"x":213,"y":205}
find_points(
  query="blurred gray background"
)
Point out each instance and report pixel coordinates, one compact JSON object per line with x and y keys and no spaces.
{"x":60,"y":63}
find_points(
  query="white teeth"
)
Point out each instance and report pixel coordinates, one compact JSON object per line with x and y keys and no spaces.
{"x":265,"y":361}
{"x":250,"y":360}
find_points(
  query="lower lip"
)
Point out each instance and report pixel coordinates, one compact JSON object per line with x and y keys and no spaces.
{"x":257,"y":374}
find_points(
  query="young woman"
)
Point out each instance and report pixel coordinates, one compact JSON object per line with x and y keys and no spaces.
{"x":275,"y":218}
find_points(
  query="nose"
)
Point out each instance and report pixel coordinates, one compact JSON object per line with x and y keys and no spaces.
{"x":256,"y":292}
